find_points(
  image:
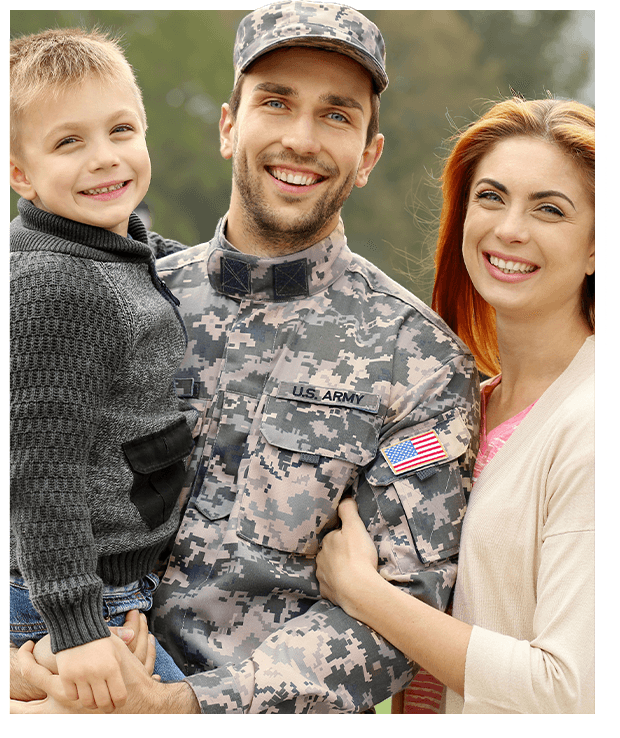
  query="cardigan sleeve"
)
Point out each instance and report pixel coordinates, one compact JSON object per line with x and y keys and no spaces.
{"x":65,"y":345}
{"x":553,"y":671}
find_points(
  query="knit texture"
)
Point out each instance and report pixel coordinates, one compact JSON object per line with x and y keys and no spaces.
{"x":95,"y":342}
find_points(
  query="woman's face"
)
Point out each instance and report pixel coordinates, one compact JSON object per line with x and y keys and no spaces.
{"x":528,"y":237}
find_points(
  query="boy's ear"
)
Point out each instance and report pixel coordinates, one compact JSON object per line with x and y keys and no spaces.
{"x":20,"y":182}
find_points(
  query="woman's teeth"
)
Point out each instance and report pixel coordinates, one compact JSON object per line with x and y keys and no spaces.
{"x":296,"y":179}
{"x":100,"y":190}
{"x":511,"y":267}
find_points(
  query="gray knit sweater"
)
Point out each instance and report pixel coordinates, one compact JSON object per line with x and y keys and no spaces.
{"x":98,"y":435}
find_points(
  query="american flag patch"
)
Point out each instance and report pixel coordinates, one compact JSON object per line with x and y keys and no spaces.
{"x":414,"y":452}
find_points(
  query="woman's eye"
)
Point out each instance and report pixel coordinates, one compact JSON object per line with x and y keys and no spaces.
{"x":551,"y":210}
{"x":489,"y":195}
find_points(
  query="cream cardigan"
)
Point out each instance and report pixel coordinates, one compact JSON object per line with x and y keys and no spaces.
{"x":526,"y":564}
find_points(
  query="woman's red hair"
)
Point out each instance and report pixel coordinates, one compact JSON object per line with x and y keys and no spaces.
{"x":569,"y":125}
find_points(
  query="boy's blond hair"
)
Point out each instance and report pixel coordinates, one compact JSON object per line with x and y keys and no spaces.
{"x":51,"y":62}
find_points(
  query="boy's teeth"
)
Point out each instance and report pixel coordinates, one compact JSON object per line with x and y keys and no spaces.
{"x":99,"y":190}
{"x":297,"y":179}
{"x":511,"y":267}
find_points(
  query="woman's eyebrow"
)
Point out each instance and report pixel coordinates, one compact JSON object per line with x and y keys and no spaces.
{"x":550,"y":193}
{"x":532,"y":196}
{"x":494,"y":183}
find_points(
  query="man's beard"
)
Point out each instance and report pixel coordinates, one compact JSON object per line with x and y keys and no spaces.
{"x":280,"y":234}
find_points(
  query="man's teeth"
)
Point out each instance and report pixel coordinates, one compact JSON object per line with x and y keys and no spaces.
{"x":511,"y":267}
{"x":111,"y":188}
{"x":297,"y":179}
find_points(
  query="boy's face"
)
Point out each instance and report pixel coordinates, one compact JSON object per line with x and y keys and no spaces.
{"x":84,"y":155}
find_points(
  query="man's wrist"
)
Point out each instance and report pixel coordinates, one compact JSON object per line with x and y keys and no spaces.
{"x":180,"y":699}
{"x":20,"y":688}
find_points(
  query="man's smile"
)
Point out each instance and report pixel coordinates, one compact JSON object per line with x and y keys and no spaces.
{"x":294,"y":177}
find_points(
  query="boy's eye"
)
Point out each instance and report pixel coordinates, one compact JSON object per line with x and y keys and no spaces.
{"x":67,"y":140}
{"x":123,"y":128}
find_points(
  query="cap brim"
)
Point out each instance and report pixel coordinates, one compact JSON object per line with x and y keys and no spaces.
{"x":360,"y":55}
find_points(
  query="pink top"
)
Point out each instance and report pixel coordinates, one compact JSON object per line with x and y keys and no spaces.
{"x":491,"y":443}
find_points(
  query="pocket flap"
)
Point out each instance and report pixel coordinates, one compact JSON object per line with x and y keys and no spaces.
{"x":320,"y":427}
{"x":158,"y":450}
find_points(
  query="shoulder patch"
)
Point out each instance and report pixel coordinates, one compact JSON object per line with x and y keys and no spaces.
{"x":414,"y":452}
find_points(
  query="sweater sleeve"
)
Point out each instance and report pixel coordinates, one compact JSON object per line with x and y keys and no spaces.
{"x":65,"y":344}
{"x":553,"y":671}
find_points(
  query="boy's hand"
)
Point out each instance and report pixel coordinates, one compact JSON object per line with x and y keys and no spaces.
{"x":91,"y":673}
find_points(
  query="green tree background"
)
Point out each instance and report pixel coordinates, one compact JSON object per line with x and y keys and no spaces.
{"x":444,"y":67}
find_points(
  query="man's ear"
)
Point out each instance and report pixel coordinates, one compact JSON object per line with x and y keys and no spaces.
{"x":370,"y":157}
{"x":20,"y":182}
{"x":226,"y":134}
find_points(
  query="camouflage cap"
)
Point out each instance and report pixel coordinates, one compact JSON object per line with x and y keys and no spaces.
{"x":317,"y":25}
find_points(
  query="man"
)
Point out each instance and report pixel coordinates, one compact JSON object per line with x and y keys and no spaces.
{"x":317,"y":377}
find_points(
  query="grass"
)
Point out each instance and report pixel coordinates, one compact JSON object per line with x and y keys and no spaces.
{"x":384,"y":708}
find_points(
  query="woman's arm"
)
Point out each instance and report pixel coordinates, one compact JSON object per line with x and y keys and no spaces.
{"x":348,"y":576}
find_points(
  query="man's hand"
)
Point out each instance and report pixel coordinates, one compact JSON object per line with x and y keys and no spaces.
{"x":145,"y":694}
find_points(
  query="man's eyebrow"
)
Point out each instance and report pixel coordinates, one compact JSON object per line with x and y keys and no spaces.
{"x":276,"y":88}
{"x":342,"y":102}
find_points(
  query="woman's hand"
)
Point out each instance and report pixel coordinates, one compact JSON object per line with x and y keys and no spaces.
{"x":347,"y":562}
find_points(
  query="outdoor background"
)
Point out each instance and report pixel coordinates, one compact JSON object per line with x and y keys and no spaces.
{"x":444,"y":66}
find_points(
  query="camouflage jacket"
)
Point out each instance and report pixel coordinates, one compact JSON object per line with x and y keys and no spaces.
{"x":305,"y":368}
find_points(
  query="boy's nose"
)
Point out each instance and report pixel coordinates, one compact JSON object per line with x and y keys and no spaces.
{"x":104,"y":156}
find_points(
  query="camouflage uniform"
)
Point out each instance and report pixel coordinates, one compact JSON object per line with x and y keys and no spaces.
{"x":305,"y":368}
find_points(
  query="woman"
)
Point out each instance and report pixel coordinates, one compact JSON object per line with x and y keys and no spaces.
{"x":515,"y":280}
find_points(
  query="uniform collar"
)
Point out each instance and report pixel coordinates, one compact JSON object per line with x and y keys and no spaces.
{"x":304,"y":273}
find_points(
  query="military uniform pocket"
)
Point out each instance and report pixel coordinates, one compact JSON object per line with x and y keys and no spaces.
{"x":157,"y":461}
{"x":309,"y":452}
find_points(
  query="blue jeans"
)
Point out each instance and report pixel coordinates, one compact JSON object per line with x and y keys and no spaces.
{"x":27,"y":625}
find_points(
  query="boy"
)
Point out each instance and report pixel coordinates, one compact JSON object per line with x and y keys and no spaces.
{"x":98,"y":435}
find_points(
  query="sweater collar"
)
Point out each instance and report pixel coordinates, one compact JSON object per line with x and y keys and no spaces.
{"x":301,"y":274}
{"x":36,"y":229}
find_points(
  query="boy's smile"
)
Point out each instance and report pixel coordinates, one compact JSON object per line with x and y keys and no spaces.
{"x":85,"y":156}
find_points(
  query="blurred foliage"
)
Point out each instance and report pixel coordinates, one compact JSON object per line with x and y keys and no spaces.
{"x":444,"y":67}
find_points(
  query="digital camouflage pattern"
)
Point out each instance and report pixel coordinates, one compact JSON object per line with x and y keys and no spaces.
{"x":318,"y":25}
{"x":303,"y":368}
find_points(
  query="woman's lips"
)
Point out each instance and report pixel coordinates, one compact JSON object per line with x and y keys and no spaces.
{"x":509,"y":270}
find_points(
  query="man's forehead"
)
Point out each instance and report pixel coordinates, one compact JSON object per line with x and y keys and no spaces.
{"x":296,"y":68}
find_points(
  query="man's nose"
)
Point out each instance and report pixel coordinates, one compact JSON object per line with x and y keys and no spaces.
{"x":301,"y":136}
